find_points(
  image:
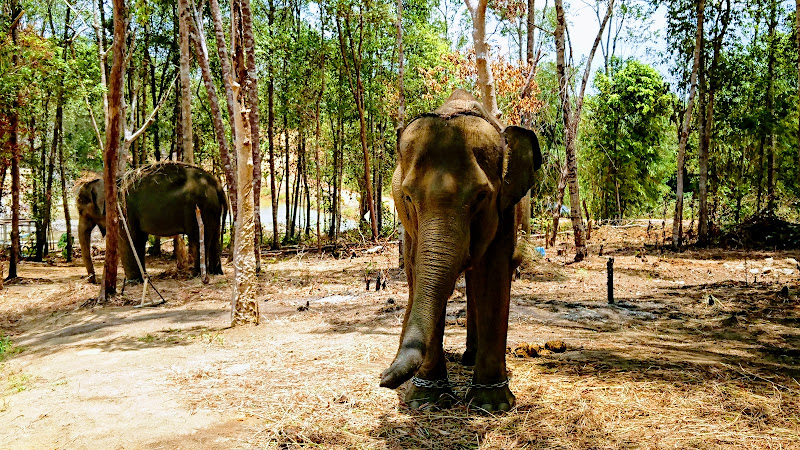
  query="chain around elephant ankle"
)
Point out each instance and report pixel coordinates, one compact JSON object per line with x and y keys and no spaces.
{"x":430,"y":384}
{"x":497,"y":385}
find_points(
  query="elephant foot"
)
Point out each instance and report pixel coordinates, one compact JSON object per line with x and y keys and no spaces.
{"x":490,"y":399}
{"x":133,"y":281}
{"x":428,"y":395}
{"x":91,"y":279}
{"x":468,"y":358}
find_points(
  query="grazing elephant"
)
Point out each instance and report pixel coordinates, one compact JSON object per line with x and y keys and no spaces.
{"x":159,"y":199}
{"x":459,"y":178}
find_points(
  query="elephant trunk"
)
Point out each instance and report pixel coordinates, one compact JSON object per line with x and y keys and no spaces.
{"x":441,"y":254}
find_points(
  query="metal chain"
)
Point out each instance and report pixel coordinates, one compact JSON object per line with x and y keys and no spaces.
{"x":430,"y":384}
{"x":442,"y":384}
{"x":500,"y":384}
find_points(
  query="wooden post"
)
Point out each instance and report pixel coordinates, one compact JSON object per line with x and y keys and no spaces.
{"x":610,"y":268}
{"x":202,"y":247}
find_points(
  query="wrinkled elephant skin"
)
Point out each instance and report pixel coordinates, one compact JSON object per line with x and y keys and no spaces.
{"x":159,"y":200}
{"x":458,"y":180}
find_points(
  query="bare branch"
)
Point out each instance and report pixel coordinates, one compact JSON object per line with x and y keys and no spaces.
{"x":152,"y":117}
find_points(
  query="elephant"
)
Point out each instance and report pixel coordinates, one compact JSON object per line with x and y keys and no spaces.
{"x":459,"y":177}
{"x":157,"y":199}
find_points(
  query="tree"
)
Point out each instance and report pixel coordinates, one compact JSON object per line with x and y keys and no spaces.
{"x":352,"y":53}
{"x":477,"y":9}
{"x":571,"y":117}
{"x":187,"y":141}
{"x":626,"y":136}
{"x":108,"y":287}
{"x":677,"y":221}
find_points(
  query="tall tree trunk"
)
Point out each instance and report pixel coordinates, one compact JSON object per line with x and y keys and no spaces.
{"x":250,"y":87}
{"x":286,"y":177}
{"x":357,"y":88}
{"x":244,"y":307}
{"x":65,"y":199}
{"x":113,"y":134}
{"x":797,"y":39}
{"x":531,"y":31}
{"x":187,"y":140}
{"x":708,"y":121}
{"x":702,"y":148}
{"x":477,"y":9}
{"x":13,"y":143}
{"x":276,"y":243}
{"x":318,"y":119}
{"x":770,"y":103}
{"x":677,"y":221}
{"x":201,"y":50}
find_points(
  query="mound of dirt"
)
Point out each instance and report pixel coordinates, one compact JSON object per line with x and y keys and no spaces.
{"x":763,"y":231}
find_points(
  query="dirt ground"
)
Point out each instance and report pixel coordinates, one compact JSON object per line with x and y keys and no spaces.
{"x":700,"y":350}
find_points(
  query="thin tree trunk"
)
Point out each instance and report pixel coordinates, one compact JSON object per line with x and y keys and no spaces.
{"x":13,"y":143}
{"x":250,"y":87}
{"x":201,"y":50}
{"x":797,"y":38}
{"x":113,"y":134}
{"x":186,"y":86}
{"x":357,"y":88}
{"x":531,"y":31}
{"x":65,"y":199}
{"x":274,"y":191}
{"x":318,"y":119}
{"x":571,"y":118}
{"x":708,"y":123}
{"x":770,"y":103}
{"x":477,"y":9}
{"x":677,"y":221}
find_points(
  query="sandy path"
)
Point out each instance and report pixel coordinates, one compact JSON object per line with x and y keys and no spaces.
{"x":100,"y":382}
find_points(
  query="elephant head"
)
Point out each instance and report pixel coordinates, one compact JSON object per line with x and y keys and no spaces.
{"x":91,"y":202}
{"x":459,"y":175}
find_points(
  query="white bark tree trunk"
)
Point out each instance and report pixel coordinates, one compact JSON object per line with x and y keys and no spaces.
{"x":244,"y":307}
{"x":477,"y":9}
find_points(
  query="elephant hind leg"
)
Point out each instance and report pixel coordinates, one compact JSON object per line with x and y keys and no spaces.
{"x":132,"y":272}
{"x":213,"y":245}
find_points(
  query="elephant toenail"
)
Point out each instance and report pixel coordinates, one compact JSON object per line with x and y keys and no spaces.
{"x":504,"y":407}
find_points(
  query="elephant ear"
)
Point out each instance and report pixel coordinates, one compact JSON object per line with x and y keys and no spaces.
{"x":522,"y":158}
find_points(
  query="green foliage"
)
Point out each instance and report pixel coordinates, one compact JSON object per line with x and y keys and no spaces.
{"x":7,"y":347}
{"x":628,"y":150}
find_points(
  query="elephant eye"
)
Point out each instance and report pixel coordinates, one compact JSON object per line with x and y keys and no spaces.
{"x":408,"y":198}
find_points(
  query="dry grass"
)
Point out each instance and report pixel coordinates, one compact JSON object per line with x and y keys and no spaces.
{"x":661,"y":369}
{"x":637,"y":383}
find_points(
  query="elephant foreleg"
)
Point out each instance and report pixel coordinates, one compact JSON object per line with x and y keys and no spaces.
{"x":468,"y":358}
{"x":491,"y":289}
{"x":85,"y":237}
{"x":430,"y":387}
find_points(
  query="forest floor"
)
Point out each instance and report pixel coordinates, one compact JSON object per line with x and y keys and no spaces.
{"x":699,"y":351}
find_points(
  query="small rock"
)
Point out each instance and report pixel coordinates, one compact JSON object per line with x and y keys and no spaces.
{"x":303,"y":307}
{"x":784,"y":292}
{"x":390,"y":301}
